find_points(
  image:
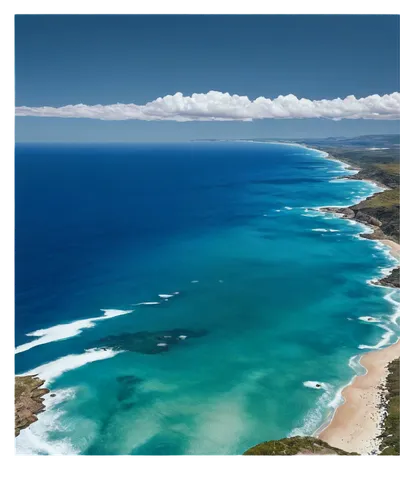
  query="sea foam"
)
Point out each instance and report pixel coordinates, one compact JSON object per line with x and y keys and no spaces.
{"x":50,"y":371}
{"x":146,"y":303}
{"x":65,"y":331}
{"x":315,"y":385}
{"x":34,"y":440}
{"x":384,"y":340}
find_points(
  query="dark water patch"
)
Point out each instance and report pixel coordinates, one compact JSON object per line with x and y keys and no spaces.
{"x":127,"y":386}
{"x":145,"y":342}
{"x":127,"y":406}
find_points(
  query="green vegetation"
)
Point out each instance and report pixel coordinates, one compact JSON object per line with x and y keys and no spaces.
{"x":296,"y":446}
{"x":379,"y":165}
{"x":390,"y":435}
{"x":386,"y":199}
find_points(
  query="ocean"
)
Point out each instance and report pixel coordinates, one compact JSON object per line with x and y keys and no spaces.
{"x":188,"y":298}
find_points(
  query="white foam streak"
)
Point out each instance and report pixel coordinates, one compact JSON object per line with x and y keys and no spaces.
{"x":65,"y":331}
{"x":385,"y":339}
{"x":146,"y":303}
{"x":395,"y":316}
{"x":369,"y":319}
{"x":50,"y":371}
{"x":315,"y":385}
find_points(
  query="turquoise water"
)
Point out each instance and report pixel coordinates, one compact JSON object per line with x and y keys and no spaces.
{"x":260,"y":294}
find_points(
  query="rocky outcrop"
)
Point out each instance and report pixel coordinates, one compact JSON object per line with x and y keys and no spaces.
{"x":393,"y":280}
{"x":28,"y":401}
{"x":352,"y":213}
{"x":296,"y":446}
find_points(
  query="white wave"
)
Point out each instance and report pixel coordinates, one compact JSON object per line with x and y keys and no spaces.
{"x":194,"y":281}
{"x":337,"y":399}
{"x":385,"y":339}
{"x":34,"y":440}
{"x":146,"y":303}
{"x":50,"y":371}
{"x":356,"y":366}
{"x":288,"y":208}
{"x":396,"y":315}
{"x":182,"y":337}
{"x":376,"y":149}
{"x":167,"y":296}
{"x":314,"y":417}
{"x":333,"y":230}
{"x":353,"y":362}
{"x":320,"y":230}
{"x":277,"y":210}
{"x":315,"y":385}
{"x":65,"y":331}
{"x":369,"y":319}
{"x":162,"y":344}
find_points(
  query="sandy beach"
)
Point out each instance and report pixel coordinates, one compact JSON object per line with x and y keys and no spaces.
{"x":394,"y":248}
{"x":355,"y":425}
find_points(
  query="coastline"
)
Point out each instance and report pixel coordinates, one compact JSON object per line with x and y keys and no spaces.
{"x":395,"y":249}
{"x":356,"y":424}
{"x":29,"y":400}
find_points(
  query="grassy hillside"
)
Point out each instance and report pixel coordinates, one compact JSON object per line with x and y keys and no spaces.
{"x":296,"y":446}
{"x":385,"y":199}
{"x":391,"y":435}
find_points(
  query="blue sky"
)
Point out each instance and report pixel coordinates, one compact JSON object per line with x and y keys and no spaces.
{"x":67,"y":60}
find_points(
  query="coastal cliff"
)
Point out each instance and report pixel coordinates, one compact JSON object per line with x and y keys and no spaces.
{"x":28,"y":401}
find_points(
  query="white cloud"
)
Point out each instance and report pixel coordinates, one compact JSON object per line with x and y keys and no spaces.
{"x":218,"y":106}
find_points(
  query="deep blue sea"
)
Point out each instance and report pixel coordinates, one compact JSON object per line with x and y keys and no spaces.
{"x":186,"y":298}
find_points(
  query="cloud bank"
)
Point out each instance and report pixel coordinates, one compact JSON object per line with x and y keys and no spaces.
{"x":219,"y":106}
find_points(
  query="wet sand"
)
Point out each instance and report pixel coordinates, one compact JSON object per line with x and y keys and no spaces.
{"x":394,"y":248}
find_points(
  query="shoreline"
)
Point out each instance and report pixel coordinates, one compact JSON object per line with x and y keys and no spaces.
{"x":356,"y":424}
{"x":29,"y":400}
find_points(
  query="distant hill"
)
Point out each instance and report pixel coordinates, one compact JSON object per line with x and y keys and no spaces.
{"x":373,"y":141}
{"x":362,"y":141}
